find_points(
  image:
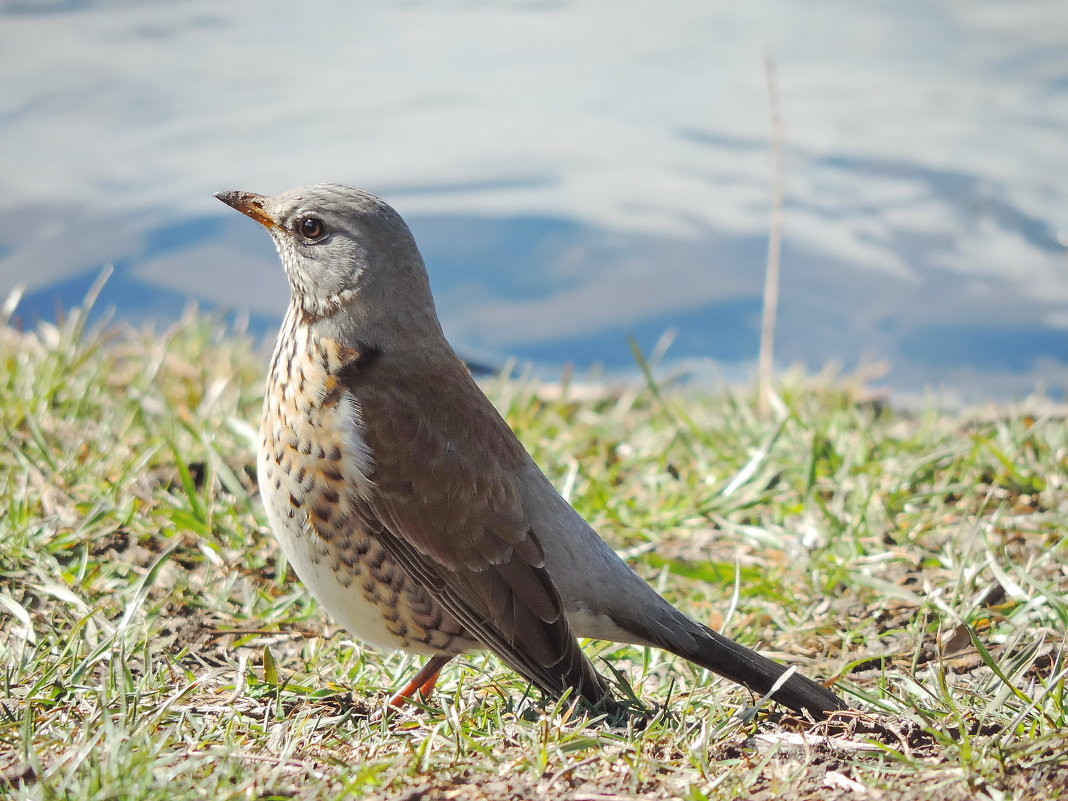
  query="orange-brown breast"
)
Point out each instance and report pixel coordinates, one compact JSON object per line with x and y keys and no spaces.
{"x":314,"y":464}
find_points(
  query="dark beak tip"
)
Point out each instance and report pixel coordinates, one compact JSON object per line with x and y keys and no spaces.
{"x":248,"y":203}
{"x":230,"y":197}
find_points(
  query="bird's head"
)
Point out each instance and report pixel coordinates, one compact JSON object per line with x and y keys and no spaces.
{"x":345,"y":252}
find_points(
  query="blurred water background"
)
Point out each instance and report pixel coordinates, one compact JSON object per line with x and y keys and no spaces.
{"x":576,"y":172}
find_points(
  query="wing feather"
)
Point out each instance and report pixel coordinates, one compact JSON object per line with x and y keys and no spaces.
{"x":444,"y":500}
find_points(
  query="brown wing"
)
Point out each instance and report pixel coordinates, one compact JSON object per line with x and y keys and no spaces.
{"x":445,"y":504}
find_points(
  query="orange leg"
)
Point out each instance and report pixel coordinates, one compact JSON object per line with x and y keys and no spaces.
{"x":422,"y":683}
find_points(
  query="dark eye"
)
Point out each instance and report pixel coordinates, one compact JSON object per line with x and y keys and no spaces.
{"x":311,"y":227}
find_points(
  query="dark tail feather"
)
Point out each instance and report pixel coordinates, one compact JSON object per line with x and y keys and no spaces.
{"x":724,"y":656}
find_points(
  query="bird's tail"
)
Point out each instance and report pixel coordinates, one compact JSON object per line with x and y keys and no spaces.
{"x":724,"y":656}
{"x":675,"y":632}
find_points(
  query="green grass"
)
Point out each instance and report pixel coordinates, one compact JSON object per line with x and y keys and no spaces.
{"x":152,"y":646}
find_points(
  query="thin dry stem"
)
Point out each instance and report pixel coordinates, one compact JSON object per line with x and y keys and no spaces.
{"x":771,"y":272}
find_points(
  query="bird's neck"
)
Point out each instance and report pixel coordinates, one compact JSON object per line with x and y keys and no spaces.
{"x":407,"y":335}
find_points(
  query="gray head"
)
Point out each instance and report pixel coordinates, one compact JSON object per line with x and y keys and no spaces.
{"x":346,"y":254}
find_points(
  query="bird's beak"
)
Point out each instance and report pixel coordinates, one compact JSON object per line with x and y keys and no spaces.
{"x":248,"y":203}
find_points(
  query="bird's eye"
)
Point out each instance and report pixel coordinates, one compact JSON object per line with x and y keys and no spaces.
{"x":311,"y":227}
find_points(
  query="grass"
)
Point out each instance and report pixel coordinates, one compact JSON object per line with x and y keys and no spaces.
{"x":152,"y":646}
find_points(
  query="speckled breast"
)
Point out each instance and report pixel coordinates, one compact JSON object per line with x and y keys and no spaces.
{"x":314,"y":475}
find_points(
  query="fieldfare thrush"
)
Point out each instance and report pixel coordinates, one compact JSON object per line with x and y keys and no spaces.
{"x":404,"y":501}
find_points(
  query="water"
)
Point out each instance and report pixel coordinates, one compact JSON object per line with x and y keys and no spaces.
{"x":574,"y":172}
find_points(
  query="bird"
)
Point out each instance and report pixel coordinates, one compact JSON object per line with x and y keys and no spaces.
{"x":407,"y":505}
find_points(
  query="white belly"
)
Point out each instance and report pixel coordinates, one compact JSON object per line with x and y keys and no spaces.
{"x":335,"y":586}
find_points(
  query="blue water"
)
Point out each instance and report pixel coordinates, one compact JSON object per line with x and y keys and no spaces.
{"x":577,"y":174}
